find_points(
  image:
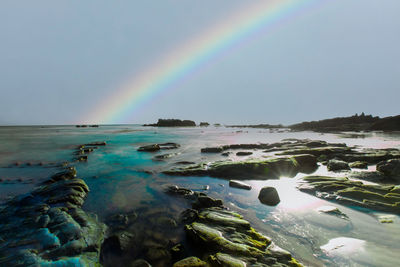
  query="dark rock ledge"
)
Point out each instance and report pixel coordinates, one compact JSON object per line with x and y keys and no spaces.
{"x":48,"y":226}
{"x":252,"y":169}
{"x":224,"y":238}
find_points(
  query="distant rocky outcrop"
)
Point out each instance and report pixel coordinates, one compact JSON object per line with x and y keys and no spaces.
{"x":353,"y":123}
{"x":204,"y":124}
{"x":172,"y":123}
{"x":262,"y":126}
{"x":387,"y":124}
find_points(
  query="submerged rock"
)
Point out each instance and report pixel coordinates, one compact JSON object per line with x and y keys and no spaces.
{"x":165,"y":156}
{"x":157,"y":147}
{"x":244,"y":153}
{"x":149,"y":148}
{"x":332,"y":211}
{"x":239,"y":184}
{"x":269,"y":196}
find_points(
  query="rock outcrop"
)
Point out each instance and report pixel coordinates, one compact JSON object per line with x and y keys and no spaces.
{"x":353,"y":193}
{"x":48,"y":226}
{"x":251,"y":169}
{"x":172,"y":123}
{"x":220,"y":237}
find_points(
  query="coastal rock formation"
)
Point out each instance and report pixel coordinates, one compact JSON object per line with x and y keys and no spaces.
{"x":224,"y":238}
{"x":204,"y":124}
{"x":172,"y":123}
{"x":248,"y":170}
{"x":48,"y":227}
{"x":353,"y":193}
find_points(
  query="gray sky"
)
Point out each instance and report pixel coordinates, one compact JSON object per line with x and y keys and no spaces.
{"x":60,"y":59}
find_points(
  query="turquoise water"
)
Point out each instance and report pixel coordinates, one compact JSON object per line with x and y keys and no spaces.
{"x":122,"y":179}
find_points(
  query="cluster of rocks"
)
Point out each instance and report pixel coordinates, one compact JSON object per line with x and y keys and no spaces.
{"x":291,"y":156}
{"x":48,"y":226}
{"x":220,"y":237}
{"x":82,"y":151}
{"x":160,"y":147}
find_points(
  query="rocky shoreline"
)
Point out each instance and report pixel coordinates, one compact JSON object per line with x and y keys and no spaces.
{"x":48,"y":226}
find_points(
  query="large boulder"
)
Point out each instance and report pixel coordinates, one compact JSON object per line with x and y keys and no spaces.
{"x":269,"y":196}
{"x":389,"y":167}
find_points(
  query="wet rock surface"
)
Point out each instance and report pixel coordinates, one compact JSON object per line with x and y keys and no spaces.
{"x":337,"y":165}
{"x":252,"y":169}
{"x":239,"y":184}
{"x":269,"y":196}
{"x":158,"y":147}
{"x":353,"y":193}
{"x":48,"y":226}
{"x":219,"y":237}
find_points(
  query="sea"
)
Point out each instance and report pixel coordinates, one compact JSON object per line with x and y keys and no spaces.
{"x":123,"y":179}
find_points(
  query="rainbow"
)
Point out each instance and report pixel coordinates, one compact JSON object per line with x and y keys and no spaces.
{"x":183,"y":60}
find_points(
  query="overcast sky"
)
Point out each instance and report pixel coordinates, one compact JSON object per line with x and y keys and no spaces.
{"x":60,"y":59}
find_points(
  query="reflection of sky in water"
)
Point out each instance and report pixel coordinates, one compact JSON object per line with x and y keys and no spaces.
{"x":117,"y":182}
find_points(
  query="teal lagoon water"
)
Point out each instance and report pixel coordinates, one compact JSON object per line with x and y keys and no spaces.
{"x":122,"y":179}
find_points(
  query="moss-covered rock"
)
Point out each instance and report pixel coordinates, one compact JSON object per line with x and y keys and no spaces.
{"x":353,"y":193}
{"x":242,"y":170}
{"x":190,"y":262}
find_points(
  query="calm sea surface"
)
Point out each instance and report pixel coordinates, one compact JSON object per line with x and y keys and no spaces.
{"x":122,"y":179}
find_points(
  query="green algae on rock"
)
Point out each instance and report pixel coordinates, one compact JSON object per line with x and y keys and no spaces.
{"x":353,"y":193}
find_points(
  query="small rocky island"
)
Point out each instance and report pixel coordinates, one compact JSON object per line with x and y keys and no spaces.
{"x":172,"y":123}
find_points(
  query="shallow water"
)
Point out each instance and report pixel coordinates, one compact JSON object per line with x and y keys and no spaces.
{"x":122,"y":179}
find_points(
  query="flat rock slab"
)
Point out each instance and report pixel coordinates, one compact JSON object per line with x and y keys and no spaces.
{"x":353,"y":193}
{"x":239,"y":184}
